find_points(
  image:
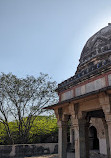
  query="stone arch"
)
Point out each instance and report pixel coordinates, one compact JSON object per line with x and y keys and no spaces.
{"x":93,"y":139}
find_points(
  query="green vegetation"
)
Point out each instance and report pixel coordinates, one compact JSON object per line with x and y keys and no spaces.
{"x":44,"y":129}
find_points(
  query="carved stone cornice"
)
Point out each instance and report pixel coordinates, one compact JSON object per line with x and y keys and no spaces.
{"x":80,"y":77}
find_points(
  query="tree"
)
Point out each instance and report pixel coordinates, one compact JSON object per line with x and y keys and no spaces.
{"x":22,"y":99}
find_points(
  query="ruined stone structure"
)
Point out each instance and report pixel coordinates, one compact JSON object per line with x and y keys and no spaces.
{"x":85,"y":100}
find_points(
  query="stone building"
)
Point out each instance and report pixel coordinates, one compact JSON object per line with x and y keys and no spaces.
{"x":84,"y":104}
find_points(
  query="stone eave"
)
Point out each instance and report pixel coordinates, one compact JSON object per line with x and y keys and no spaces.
{"x":78,"y":98}
{"x":71,"y":83}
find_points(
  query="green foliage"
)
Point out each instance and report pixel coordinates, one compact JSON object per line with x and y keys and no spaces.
{"x":44,"y":129}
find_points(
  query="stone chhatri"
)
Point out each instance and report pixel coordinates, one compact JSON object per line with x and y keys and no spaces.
{"x":84,"y":106}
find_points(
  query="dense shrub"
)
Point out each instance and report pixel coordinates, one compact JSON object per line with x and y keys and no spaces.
{"x":44,"y":130}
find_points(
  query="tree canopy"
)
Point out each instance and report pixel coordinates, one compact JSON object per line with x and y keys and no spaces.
{"x":22,"y":100}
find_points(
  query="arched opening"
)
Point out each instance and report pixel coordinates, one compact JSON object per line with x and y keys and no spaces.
{"x":93,"y":140}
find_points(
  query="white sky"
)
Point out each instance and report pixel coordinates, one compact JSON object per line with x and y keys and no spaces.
{"x":48,"y":35}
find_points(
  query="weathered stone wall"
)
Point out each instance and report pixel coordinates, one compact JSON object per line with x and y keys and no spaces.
{"x":22,"y":150}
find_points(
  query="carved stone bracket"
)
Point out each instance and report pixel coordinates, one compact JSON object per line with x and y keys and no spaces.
{"x":105,"y":102}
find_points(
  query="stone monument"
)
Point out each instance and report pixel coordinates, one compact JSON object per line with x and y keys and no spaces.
{"x":85,"y":100}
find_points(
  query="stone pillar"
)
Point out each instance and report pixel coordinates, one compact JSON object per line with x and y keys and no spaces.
{"x":62,"y":139}
{"x":77,"y":145}
{"x":81,"y":138}
{"x":108,"y":136}
{"x":71,"y":135}
{"x":105,"y":102}
{"x":72,"y":138}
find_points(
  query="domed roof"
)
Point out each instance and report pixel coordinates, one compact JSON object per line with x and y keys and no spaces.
{"x":95,"y":58}
{"x":99,"y":43}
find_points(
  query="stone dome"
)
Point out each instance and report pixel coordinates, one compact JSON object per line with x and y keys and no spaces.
{"x":98,"y":44}
{"x":95,"y":58}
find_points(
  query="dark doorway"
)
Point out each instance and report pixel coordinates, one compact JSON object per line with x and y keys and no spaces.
{"x":93,"y":140}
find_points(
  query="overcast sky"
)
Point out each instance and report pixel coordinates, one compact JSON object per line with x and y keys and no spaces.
{"x":48,"y":35}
